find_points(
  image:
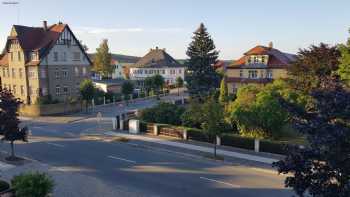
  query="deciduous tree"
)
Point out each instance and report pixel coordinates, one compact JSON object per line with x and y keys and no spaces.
{"x":9,"y":122}
{"x":344,"y":67}
{"x":102,"y":61}
{"x":87,"y":91}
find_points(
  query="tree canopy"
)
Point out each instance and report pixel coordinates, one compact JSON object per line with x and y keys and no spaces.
{"x":344,"y":67}
{"x":201,"y":77}
{"x":223,"y":97}
{"x":322,"y":167}
{"x":102,"y":61}
{"x":9,"y":122}
{"x":313,"y":67}
{"x":127,"y":88}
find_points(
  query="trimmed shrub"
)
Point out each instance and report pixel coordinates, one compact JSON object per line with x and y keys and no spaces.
{"x":164,"y":113}
{"x":32,"y":184}
{"x":198,"y":135}
{"x":143,"y":127}
{"x":237,"y":141}
{"x":273,"y":147}
{"x":4,"y":185}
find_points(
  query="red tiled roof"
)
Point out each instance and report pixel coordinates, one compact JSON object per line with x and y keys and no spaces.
{"x":276,"y":57}
{"x":38,"y":39}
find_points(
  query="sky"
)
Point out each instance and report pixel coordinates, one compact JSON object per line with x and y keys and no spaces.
{"x":132,"y":27}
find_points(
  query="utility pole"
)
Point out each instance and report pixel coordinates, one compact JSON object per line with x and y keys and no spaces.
{"x":13,"y":3}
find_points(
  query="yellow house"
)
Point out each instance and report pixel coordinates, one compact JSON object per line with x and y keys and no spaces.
{"x":260,"y":65}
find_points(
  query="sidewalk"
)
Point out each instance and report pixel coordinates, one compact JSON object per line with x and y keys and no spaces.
{"x":222,"y":152}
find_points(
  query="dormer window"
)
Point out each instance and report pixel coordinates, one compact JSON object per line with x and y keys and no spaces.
{"x":34,"y":56}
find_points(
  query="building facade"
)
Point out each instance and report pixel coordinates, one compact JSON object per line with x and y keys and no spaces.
{"x":157,"y":61}
{"x":42,"y":61}
{"x":260,"y":65}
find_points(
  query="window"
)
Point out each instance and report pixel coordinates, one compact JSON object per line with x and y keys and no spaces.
{"x":14,"y":87}
{"x":31,"y":73}
{"x":180,"y":71}
{"x":65,"y":90}
{"x":13,"y":73}
{"x":256,"y":60}
{"x":263,"y":59}
{"x":43,"y":73}
{"x":77,"y":87}
{"x":240,"y":73}
{"x":269,"y":74}
{"x":76,"y":71}
{"x":20,"y":71}
{"x":19,"y":55}
{"x":57,"y":90}
{"x":33,"y":56}
{"x":22,"y":90}
{"x":55,"y":56}
{"x":64,"y":56}
{"x":57,"y":73}
{"x":8,"y":72}
{"x":11,"y":56}
{"x":3,"y":72}
{"x":44,"y":91}
{"x":76,"y":56}
{"x":65,"y":73}
{"x":253,"y":74}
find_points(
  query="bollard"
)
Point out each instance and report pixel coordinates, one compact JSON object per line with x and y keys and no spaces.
{"x":184,"y":135}
{"x":104,"y":100}
{"x":114,"y":123}
{"x":134,"y":126}
{"x":256,"y":145}
{"x":218,"y":140}
{"x":155,"y":129}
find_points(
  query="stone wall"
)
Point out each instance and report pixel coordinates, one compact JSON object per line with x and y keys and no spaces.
{"x":50,"y":109}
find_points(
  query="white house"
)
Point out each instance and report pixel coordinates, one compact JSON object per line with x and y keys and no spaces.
{"x":157,"y":61}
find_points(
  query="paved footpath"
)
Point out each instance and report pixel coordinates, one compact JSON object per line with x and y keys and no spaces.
{"x":195,"y":147}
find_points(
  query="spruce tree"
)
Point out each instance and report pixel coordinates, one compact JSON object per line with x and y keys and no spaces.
{"x":102,"y":60}
{"x":223,"y":97}
{"x":202,"y":78}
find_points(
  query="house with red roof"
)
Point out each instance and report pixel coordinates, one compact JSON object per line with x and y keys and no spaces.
{"x":260,"y":65}
{"x":42,"y":61}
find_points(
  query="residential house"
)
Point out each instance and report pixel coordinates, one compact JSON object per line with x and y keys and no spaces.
{"x":157,"y":61}
{"x":41,"y":61}
{"x":260,"y":65}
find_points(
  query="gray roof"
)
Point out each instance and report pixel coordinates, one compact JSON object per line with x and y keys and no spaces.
{"x":157,"y":58}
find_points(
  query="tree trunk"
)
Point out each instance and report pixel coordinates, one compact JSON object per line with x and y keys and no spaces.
{"x":178,"y":91}
{"x":87,"y":105}
{"x":12,"y":150}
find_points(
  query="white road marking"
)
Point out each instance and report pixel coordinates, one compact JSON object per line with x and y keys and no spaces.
{"x":221,"y":182}
{"x":121,"y":159}
{"x":54,"y":144}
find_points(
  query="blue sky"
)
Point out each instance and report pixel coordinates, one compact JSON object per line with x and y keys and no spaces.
{"x":134,"y":26}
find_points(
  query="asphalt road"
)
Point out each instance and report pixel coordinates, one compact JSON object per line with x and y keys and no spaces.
{"x":141,"y":171}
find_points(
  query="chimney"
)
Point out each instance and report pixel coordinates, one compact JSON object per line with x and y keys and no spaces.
{"x":157,"y":48}
{"x":270,"y":45}
{"x":45,"y":25}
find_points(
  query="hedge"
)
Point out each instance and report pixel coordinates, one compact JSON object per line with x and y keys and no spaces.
{"x":273,"y":147}
{"x":143,"y":127}
{"x":237,"y":141}
{"x":198,"y":135}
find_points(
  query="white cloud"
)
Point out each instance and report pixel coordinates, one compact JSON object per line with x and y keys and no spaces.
{"x":99,"y":30}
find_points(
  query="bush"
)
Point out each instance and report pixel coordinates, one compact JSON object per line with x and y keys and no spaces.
{"x":32,"y":184}
{"x":273,"y":147}
{"x":237,"y":141}
{"x":143,"y":127}
{"x":4,"y":186}
{"x":164,"y":113}
{"x":198,"y":135}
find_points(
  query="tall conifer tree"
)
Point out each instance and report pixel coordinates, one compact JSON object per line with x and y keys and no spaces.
{"x":202,"y":78}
